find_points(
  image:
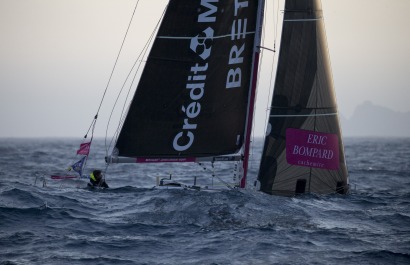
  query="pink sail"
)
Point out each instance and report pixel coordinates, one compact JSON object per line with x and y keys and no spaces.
{"x":84,"y":149}
{"x":312,"y":149}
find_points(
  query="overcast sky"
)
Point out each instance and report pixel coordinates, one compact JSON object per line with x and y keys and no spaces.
{"x":56,"y":57}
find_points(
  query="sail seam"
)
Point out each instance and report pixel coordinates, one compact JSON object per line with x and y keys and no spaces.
{"x":306,"y":19}
{"x":202,"y":38}
{"x":305,"y":115}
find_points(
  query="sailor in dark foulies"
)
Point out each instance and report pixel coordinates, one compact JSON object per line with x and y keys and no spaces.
{"x":96,"y":179}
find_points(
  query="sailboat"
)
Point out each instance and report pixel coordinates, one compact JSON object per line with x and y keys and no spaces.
{"x":195,"y":99}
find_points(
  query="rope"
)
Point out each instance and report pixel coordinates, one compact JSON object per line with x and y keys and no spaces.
{"x":272,"y":67}
{"x":121,"y":121}
{"x":273,"y":63}
{"x":276,"y":23}
{"x":142,"y":54}
{"x":112,"y":71}
{"x":94,"y":121}
{"x":251,"y":152}
{"x":216,"y":176}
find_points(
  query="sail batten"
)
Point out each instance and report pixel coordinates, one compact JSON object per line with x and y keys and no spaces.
{"x":304,"y":115}
{"x":302,"y":20}
{"x":202,"y":38}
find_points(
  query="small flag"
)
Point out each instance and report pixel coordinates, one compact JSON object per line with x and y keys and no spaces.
{"x":84,"y":149}
{"x":78,"y":166}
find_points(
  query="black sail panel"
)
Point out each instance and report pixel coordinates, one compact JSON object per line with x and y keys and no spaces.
{"x":192,"y":96}
{"x":303,"y":149}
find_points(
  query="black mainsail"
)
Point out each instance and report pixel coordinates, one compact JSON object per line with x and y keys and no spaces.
{"x":192,"y":97}
{"x":303,"y":150}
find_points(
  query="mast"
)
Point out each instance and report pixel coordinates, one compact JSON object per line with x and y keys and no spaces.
{"x":252,"y":91}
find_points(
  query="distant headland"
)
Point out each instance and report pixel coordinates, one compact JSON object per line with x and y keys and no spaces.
{"x":376,"y":121}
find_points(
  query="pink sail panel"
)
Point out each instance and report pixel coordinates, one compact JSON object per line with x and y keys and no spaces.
{"x":164,"y":160}
{"x":84,"y":149}
{"x":312,"y":149}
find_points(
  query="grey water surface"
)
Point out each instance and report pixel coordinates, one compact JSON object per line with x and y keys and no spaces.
{"x":44,"y":221}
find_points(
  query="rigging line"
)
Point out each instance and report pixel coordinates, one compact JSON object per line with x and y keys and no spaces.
{"x":216,"y":176}
{"x":120,"y":92}
{"x":301,"y":109}
{"x":203,"y":38}
{"x":276,"y":23}
{"x":125,"y":101}
{"x":266,"y":10}
{"x":115,"y":64}
{"x":265,"y":48}
{"x":303,"y":20}
{"x":303,"y":115}
{"x":92,"y":136}
{"x":105,"y":173}
{"x":263,"y":35}
{"x":270,"y":91}
{"x":271,"y":72}
{"x":224,"y":183}
{"x":220,"y":180}
{"x":141,"y":55}
{"x":332,"y":83}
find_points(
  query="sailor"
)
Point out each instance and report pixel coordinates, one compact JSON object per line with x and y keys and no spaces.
{"x":96,"y":179}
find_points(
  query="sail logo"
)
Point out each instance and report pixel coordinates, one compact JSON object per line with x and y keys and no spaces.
{"x":197,"y":78}
{"x":200,"y":44}
{"x":312,"y":149}
{"x":238,"y":49}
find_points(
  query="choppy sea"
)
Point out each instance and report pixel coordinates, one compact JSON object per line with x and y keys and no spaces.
{"x":44,"y":221}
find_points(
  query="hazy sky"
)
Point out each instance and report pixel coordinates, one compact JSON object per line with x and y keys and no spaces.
{"x":56,"y":57}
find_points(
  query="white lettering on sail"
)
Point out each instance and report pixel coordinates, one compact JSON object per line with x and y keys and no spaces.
{"x":235,"y":55}
{"x":233,"y":78}
{"x":240,"y":4}
{"x":205,"y":17}
{"x":199,"y":43}
{"x":197,"y":89}
{"x":315,"y":139}
{"x":178,"y":138}
{"x":312,"y":149}
{"x":196,"y":80}
{"x":238,"y":32}
{"x":193,"y":109}
{"x":312,"y":152}
{"x":202,"y":46}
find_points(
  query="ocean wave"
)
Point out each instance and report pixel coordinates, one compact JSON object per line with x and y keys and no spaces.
{"x":66,"y":223}
{"x":382,"y":257}
{"x":19,"y":198}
